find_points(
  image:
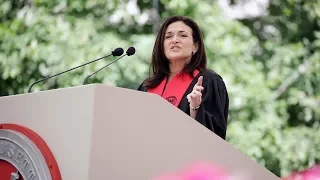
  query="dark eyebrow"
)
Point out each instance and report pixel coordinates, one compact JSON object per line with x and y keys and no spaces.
{"x":179,"y":32}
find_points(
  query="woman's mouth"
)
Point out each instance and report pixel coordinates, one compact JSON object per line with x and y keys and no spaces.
{"x":175,"y":47}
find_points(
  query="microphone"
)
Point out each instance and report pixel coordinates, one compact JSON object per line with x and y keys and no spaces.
{"x":129,"y":52}
{"x":116,"y":52}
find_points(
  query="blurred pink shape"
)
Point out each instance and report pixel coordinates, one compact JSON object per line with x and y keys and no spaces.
{"x":204,"y":171}
{"x":312,"y":173}
{"x":197,"y":171}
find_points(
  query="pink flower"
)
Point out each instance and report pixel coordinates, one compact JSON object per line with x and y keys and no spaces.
{"x":197,"y":171}
{"x":204,"y":171}
{"x":312,"y":173}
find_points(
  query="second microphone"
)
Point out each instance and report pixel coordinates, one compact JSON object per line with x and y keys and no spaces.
{"x":129,"y":52}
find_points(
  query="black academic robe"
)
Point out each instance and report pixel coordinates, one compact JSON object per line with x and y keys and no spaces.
{"x":213,"y":111}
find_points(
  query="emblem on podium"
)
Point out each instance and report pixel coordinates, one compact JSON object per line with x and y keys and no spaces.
{"x":25,"y":155}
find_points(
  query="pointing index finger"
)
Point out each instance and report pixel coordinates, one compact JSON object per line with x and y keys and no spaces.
{"x":199,"y":83}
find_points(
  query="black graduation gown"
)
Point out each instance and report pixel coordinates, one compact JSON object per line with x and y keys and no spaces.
{"x":213,"y":111}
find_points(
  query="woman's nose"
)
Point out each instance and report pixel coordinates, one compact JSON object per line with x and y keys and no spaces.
{"x":175,"y":39}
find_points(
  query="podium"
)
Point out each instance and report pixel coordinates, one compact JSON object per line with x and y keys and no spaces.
{"x":103,"y":132}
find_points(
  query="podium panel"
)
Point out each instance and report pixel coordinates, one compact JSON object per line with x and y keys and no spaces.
{"x":103,"y":132}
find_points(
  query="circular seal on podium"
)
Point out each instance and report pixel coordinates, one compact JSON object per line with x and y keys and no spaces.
{"x":25,"y":155}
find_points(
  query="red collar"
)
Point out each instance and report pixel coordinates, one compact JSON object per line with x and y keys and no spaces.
{"x":174,"y":90}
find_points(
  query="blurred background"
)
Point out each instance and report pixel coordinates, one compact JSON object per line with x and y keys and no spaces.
{"x":267,"y":51}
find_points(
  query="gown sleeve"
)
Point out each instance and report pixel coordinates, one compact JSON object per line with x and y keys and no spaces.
{"x":213,"y":111}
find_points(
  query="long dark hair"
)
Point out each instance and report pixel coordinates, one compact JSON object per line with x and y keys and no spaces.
{"x":159,"y":62}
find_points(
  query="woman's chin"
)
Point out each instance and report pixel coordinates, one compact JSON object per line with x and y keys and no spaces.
{"x":178,"y":59}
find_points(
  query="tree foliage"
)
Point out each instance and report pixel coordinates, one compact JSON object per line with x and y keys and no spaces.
{"x":270,"y":63}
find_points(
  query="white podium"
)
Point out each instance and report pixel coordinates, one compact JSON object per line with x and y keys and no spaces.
{"x":102,"y":132}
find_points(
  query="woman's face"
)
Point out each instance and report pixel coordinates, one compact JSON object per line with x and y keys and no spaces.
{"x":178,"y":42}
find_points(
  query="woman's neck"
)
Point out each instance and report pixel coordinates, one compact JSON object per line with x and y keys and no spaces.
{"x":176,"y":67}
{"x":174,"y":71}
